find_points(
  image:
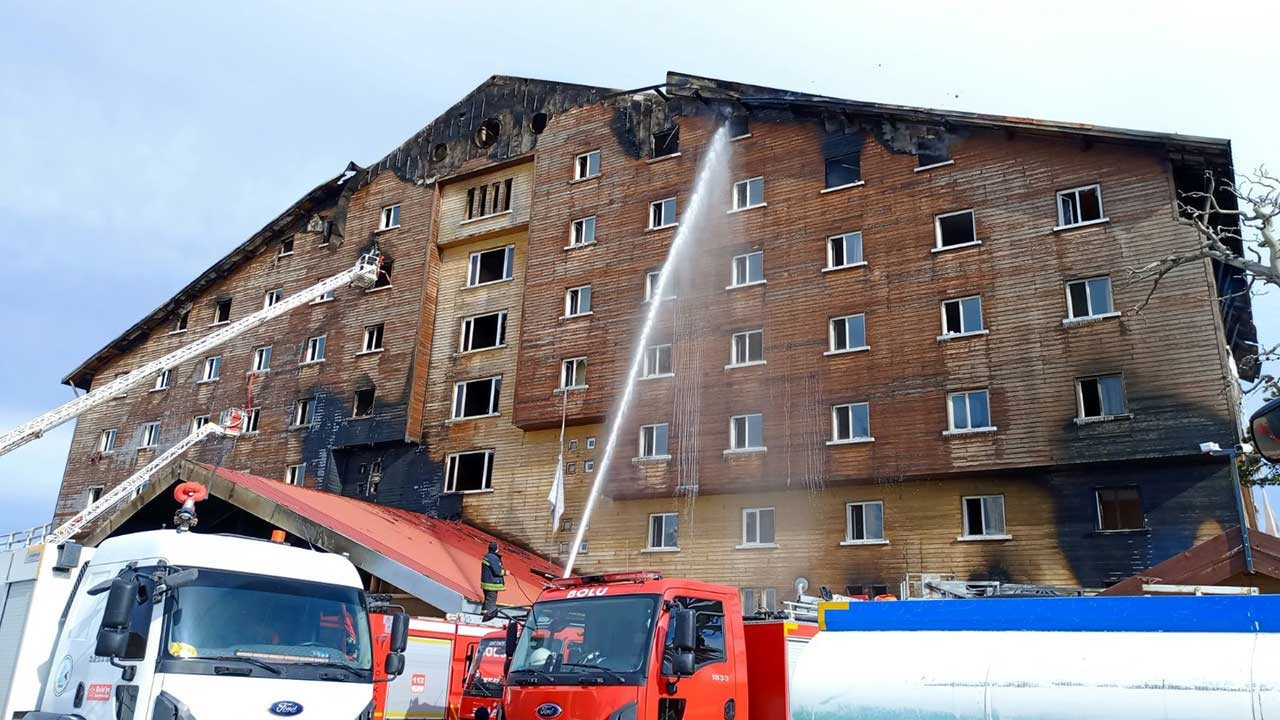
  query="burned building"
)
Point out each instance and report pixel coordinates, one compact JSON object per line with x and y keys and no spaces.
{"x":905,"y":348}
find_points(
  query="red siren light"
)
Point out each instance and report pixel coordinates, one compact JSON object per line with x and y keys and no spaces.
{"x":192,"y":491}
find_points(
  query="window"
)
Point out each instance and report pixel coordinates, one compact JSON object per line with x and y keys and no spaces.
{"x":92,"y":495}
{"x":469,"y":471}
{"x":850,"y":422}
{"x":583,"y":232}
{"x":757,"y":526}
{"x":1120,"y":508}
{"x":666,"y":142}
{"x":180,"y":325}
{"x":755,"y":600}
{"x":271,"y":297}
{"x":1089,"y":298}
{"x":843,"y":170}
{"x":150,"y":434}
{"x":844,"y":250}
{"x":198,"y":422}
{"x":591,"y":443}
{"x":286,"y":246}
{"x":577,"y":301}
{"x":222,"y":311}
{"x":251,"y":421}
{"x":262,"y":359}
{"x":954,"y":229}
{"x":315,"y":349}
{"x":747,"y":269}
{"x":372,"y":338}
{"x":363,"y":404}
{"x":848,"y":333}
{"x":573,"y":444}
{"x":124,"y":392}
{"x":1080,"y":206}
{"x":1099,"y":397}
{"x":739,"y":126}
{"x":653,"y":441}
{"x":708,"y":625}
{"x":662,"y":213}
{"x":326,"y":297}
{"x":651,"y":286}
{"x":586,"y":165}
{"x":746,"y":432}
{"x":476,"y":398}
{"x":588,"y":466}
{"x":384,"y":274}
{"x":747,"y":348}
{"x":748,"y":193}
{"x":484,"y":331}
{"x":107,"y":440}
{"x":573,"y":373}
{"x":984,"y":516}
{"x":390,"y":217}
{"x":969,"y":410}
{"x":491,"y":266}
{"x":162,"y":380}
{"x":304,"y":411}
{"x":664,"y":531}
{"x":657,"y":361}
{"x":962,"y":316}
{"x":488,"y":199}
{"x":864,"y":522}
{"x":211,"y":369}
{"x":296,"y":474}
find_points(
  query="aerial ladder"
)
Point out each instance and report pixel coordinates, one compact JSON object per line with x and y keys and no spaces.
{"x":363,"y":275}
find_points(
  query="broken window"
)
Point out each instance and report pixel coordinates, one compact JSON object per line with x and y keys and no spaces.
{"x":304,"y":411}
{"x":484,"y":331}
{"x":757,"y":526}
{"x":162,"y":380}
{"x":375,"y":477}
{"x":864,"y":522}
{"x":955,"y":229}
{"x":657,"y":361}
{"x":843,"y":170}
{"x":583,"y":232}
{"x":150,"y":434}
{"x":748,"y":193}
{"x":573,"y":373}
{"x":363,"y":405}
{"x":222,"y":311}
{"x":469,"y":471}
{"x":1100,"y":396}
{"x":748,"y":269}
{"x":262,"y":359}
{"x":211,"y":369}
{"x":198,"y":422}
{"x":651,"y":286}
{"x":476,"y":398}
{"x":487,"y":134}
{"x":662,"y":213}
{"x":577,"y":301}
{"x":848,"y":333}
{"x":653,"y":441}
{"x":739,"y":126}
{"x":384,"y":273}
{"x":1079,"y":206}
{"x":180,"y":324}
{"x":372,"y":338}
{"x":92,"y":495}
{"x":390,"y":217}
{"x":850,"y":422}
{"x":746,"y":432}
{"x":296,"y":474}
{"x":1089,"y":298}
{"x":932,"y":151}
{"x":664,"y":531}
{"x":969,"y":410}
{"x":1120,"y":508}
{"x":107,"y":440}
{"x":315,"y":349}
{"x":286,"y":246}
{"x":962,"y":316}
{"x":271,"y":297}
{"x":747,"y":348}
{"x":666,"y":142}
{"x":251,"y":416}
{"x":489,"y":199}
{"x":984,"y":516}
{"x":490,"y":266}
{"x":586,"y":165}
{"x":844,"y":250}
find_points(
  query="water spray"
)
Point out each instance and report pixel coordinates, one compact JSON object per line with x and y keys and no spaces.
{"x":711,"y":163}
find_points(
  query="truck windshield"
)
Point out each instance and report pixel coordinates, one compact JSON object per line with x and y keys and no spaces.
{"x":602,"y":637}
{"x":290,"y":624}
{"x":484,"y":677}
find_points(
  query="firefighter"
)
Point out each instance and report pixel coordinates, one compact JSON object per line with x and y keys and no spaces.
{"x":491,"y":580}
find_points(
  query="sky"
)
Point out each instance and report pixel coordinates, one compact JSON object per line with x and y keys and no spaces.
{"x":141,"y":141}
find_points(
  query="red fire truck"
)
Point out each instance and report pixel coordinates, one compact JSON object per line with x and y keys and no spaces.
{"x":446,"y":672}
{"x":481,"y":686}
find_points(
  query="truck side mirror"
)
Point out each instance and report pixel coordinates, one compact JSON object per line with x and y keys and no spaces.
{"x":513,"y":636}
{"x":113,"y":632}
{"x":1264,"y":426}
{"x":399,"y":632}
{"x":684,"y":633}
{"x":394,"y":664}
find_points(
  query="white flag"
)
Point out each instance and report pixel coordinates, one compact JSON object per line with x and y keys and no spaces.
{"x":556,"y":497}
{"x":1269,"y":519}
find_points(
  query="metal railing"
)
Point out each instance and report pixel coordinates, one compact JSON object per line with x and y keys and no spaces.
{"x":19,"y":539}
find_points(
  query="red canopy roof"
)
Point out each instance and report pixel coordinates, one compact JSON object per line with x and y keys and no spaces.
{"x":446,"y":551}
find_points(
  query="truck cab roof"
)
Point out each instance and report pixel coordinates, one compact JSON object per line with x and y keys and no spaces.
{"x":643,"y":582}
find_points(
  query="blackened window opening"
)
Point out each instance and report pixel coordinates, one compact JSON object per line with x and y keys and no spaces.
{"x":364,"y":403}
{"x":955,"y":229}
{"x":843,"y":170}
{"x":666,"y":142}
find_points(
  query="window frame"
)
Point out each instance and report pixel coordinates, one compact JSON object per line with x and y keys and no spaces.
{"x":666,"y":222}
{"x":260,"y":353}
{"x":162,"y":380}
{"x":844,"y":249}
{"x":1097,"y":498}
{"x":389,"y":217}
{"x":745,"y":259}
{"x":1081,"y":417}
{"x":1102,"y":211}
{"x":252,"y":417}
{"x":733,"y":348}
{"x":460,"y":398}
{"x":746,"y":543}
{"x":582,"y":171}
{"x":937,"y":230}
{"x":963,"y":331}
{"x":314,"y":351}
{"x":374,"y":336}
{"x":181,"y":322}
{"x":464,"y":335}
{"x":652,"y":428}
{"x":150,"y":435}
{"x":951,"y":425}
{"x":304,"y":409}
{"x":831,"y":335}
{"x":651,"y":369}
{"x":199,"y":421}
{"x":104,"y":446}
{"x":508,"y":266}
{"x":650,"y":280}
{"x":210,"y":369}
{"x":849,"y":539}
{"x":734,"y":438}
{"x":1090,"y":315}
{"x":747,"y":184}
{"x":272,"y":297}
{"x":296,"y":475}
{"x":966,"y":531}
{"x":576,"y":363}
{"x":218,"y":306}
{"x":451,"y":472}
{"x":574,"y":234}
{"x":569,"y":301}
{"x":835,"y":424}
{"x":663,"y":517}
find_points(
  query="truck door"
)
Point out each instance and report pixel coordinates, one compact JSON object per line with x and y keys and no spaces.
{"x":709,"y":693}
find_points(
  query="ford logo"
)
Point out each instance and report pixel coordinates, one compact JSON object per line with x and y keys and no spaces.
{"x":548,"y":710}
{"x":285,"y":708}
